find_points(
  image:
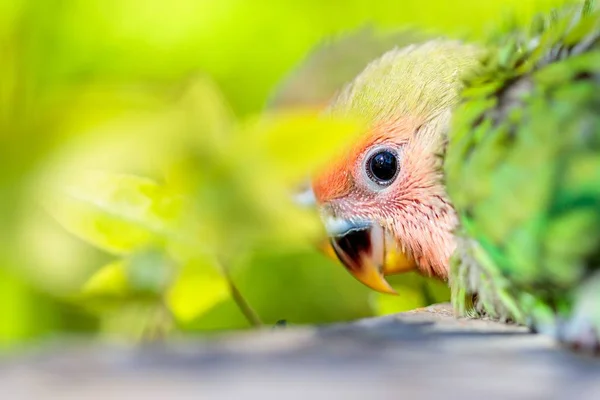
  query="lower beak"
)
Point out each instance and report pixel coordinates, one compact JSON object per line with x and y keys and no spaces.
{"x":368,"y":251}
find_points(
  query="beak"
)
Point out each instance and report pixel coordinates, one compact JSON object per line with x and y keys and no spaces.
{"x":368,"y":251}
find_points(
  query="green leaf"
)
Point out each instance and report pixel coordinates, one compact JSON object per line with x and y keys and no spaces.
{"x":115,"y":212}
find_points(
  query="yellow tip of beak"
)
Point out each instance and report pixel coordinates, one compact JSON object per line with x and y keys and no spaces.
{"x":370,"y":275}
{"x":371,"y":270}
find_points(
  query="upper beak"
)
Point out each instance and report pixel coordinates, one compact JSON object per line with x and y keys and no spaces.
{"x":368,"y":251}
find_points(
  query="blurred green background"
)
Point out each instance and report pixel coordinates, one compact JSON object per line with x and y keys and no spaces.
{"x":143,"y":195}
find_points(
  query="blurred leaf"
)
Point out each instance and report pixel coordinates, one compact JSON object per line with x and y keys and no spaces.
{"x":118,"y":213}
{"x":110,"y":280}
{"x":225,"y":315}
{"x":197,"y":289}
{"x":149,"y":272}
{"x":294,"y":144}
{"x":414,"y":291}
{"x":410,"y":298}
{"x":208,"y":117}
{"x":144,"y":273}
{"x":29,"y":314}
{"x":301,"y":287}
{"x":16,"y":306}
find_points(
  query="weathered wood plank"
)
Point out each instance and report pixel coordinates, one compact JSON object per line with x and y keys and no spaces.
{"x":426,"y":354}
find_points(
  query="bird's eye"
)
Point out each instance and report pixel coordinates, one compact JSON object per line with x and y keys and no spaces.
{"x":382,"y":167}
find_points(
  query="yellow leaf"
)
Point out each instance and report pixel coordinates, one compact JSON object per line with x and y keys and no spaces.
{"x":409,"y":299}
{"x":294,"y":144}
{"x":199,"y":287}
{"x":414,"y":291}
{"x":109,"y":280}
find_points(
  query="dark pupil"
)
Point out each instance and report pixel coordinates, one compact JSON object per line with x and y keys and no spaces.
{"x":384,"y":165}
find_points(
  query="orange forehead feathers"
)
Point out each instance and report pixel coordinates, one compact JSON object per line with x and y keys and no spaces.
{"x":337,"y":178}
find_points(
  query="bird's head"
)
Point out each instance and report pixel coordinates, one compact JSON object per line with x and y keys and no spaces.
{"x":383,"y":202}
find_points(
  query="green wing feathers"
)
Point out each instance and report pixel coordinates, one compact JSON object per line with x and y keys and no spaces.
{"x":523,"y":171}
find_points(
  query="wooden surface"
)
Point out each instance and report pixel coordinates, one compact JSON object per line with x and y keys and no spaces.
{"x":425,"y":354}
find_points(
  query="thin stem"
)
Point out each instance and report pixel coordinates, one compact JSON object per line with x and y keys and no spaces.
{"x":244,"y":306}
{"x":241,"y":302}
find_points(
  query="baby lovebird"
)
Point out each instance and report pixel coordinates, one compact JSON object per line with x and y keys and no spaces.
{"x":481,"y":166}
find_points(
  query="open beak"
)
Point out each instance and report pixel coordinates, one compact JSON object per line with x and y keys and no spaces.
{"x":368,"y":251}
